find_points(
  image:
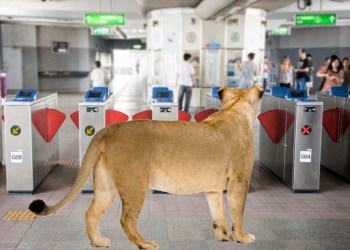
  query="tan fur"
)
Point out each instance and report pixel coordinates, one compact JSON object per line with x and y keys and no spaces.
{"x":175,"y":157}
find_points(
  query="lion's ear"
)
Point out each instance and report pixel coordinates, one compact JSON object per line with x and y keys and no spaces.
{"x":221,"y":92}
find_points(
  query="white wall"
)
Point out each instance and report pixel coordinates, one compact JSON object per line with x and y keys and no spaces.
{"x":18,"y":35}
{"x":21,"y":38}
{"x":77,"y":38}
{"x":317,"y":37}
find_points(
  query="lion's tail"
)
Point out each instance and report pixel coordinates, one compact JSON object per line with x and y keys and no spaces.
{"x":91,"y":157}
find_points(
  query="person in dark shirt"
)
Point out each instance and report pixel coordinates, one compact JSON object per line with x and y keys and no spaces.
{"x":309,"y":84}
{"x":302,"y":71}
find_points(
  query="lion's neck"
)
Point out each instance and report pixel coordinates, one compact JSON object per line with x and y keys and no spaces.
{"x":229,"y":115}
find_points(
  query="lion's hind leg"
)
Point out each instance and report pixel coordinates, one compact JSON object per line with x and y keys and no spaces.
{"x":237,"y":190}
{"x":216,"y":205}
{"x":132,"y":196}
{"x":104,"y":194}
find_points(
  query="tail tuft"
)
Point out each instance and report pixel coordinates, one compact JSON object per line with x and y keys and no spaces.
{"x":37,"y":206}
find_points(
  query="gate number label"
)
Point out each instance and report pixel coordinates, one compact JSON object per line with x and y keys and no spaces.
{"x":17,"y":157}
{"x":305,"y":156}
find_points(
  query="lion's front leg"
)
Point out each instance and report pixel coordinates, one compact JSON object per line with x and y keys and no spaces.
{"x":237,"y":191}
{"x":217,"y":210}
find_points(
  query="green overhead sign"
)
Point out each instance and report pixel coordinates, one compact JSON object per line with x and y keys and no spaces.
{"x":102,"y":31}
{"x":137,"y":46}
{"x":281,"y":31}
{"x":315,"y":19}
{"x":104,"y":19}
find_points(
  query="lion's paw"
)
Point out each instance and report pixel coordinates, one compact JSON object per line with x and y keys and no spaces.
{"x":220,"y":236}
{"x":103,"y":242}
{"x":232,"y":236}
{"x":245,"y":238}
{"x":149,"y":245}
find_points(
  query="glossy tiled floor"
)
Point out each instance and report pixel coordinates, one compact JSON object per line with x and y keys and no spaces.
{"x":279,"y":218}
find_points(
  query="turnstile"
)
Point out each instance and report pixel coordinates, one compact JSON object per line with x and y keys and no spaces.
{"x":290,"y":143}
{"x":163,"y":106}
{"x":30,"y":140}
{"x":336,"y":134}
{"x":92,"y":118}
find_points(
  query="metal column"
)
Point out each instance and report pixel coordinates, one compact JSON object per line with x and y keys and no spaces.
{"x":268,"y":153}
{"x":91,"y":120}
{"x":163,"y":106}
{"x":165,"y":111}
{"x":336,"y":134}
{"x":290,"y":141}
{"x":29,"y":158}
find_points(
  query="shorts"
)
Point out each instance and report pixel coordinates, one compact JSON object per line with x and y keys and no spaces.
{"x":310,"y":83}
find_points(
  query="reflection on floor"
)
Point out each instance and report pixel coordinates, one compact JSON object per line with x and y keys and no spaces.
{"x":279,"y":218}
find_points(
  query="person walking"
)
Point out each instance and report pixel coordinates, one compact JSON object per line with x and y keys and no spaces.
{"x":186,"y":81}
{"x":98,"y":76}
{"x":249,"y":72}
{"x":302,"y":71}
{"x":334,"y":75}
{"x":346,"y":66}
{"x":322,"y":70}
{"x":266,"y":71}
{"x":286,"y":73}
{"x":309,"y":84}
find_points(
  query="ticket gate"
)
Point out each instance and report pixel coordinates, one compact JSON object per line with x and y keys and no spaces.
{"x":163,"y":106}
{"x":30,"y":139}
{"x":95,"y":113}
{"x":336,"y":133}
{"x":290,"y":132}
{"x":212,"y":100}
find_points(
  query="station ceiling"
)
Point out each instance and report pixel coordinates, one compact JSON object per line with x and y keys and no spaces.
{"x":133,"y":8}
{"x":70,"y":12}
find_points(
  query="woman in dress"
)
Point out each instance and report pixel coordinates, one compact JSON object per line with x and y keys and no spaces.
{"x":334,"y":75}
{"x":286,"y":73}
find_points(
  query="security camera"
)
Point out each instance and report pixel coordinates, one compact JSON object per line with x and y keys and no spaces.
{"x":303,"y":4}
{"x":308,"y":2}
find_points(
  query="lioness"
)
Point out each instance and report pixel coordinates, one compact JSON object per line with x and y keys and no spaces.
{"x":174,"y":157}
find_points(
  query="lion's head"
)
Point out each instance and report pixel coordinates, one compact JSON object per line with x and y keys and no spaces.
{"x":251,"y":95}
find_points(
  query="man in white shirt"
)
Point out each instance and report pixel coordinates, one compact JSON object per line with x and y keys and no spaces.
{"x":98,"y":77}
{"x":186,"y":81}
